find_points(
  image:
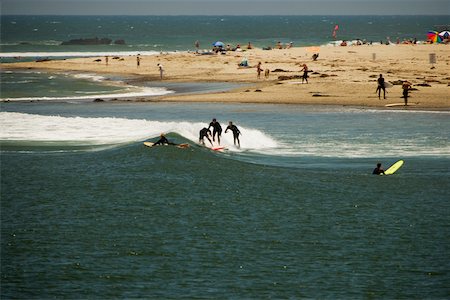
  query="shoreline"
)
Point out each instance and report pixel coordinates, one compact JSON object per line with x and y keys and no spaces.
{"x":341,"y":75}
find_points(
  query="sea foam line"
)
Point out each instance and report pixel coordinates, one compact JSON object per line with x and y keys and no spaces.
{"x":144,"y":92}
{"x":77,"y":54}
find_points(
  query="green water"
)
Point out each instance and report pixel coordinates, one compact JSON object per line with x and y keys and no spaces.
{"x":165,"y":223}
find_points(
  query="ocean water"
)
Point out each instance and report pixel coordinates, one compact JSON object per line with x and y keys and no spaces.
{"x":87,"y":211}
{"x":37,"y":36}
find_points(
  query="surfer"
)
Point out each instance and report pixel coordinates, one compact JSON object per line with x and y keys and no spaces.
{"x":236,"y":133}
{"x":163,"y":141}
{"x":381,"y":86}
{"x":378,"y":170}
{"x":204,"y":133}
{"x":406,"y":86}
{"x":216,"y":129}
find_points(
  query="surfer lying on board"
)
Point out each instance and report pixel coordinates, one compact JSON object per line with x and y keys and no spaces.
{"x":236,"y":133}
{"x":216,"y":129}
{"x":163,"y":141}
{"x":204,"y":133}
{"x":378,"y":170}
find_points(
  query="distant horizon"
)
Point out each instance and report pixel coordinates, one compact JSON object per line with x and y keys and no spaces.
{"x":226,"y":8}
{"x":226,"y":15}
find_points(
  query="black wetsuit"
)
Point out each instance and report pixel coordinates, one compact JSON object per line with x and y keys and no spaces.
{"x":204,"y":134}
{"x":163,"y":141}
{"x":236,"y":133}
{"x":378,"y":171}
{"x":381,"y":87}
{"x":216,"y":129}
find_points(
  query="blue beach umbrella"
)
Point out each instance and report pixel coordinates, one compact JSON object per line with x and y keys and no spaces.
{"x":219,"y":44}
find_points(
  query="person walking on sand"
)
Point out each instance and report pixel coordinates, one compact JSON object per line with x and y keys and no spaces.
{"x":236,"y":133}
{"x":216,"y":129}
{"x":204,"y":133}
{"x":406,"y":86}
{"x":106,"y":60}
{"x":305,"y":73}
{"x":161,"y":71}
{"x":380,"y":87}
{"x":138,"y":60}
{"x":259,"y":70}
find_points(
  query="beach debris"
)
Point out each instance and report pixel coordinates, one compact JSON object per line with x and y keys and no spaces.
{"x":97,"y":60}
{"x":258,"y":90}
{"x":283,"y":77}
{"x":98,"y":100}
{"x":279,"y":70}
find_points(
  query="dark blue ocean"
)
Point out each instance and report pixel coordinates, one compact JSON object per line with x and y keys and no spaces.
{"x":88,"y":212}
{"x":142,"y":34}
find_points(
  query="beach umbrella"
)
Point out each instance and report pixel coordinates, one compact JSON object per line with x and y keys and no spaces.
{"x":219,"y":44}
{"x":444,"y":34}
{"x":433,"y":36}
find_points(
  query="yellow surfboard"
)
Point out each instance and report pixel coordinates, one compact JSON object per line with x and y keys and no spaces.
{"x":392,"y":169}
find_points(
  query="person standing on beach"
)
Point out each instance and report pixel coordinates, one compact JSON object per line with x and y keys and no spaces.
{"x":161,"y":71}
{"x":381,"y":86}
{"x":138,"y":60}
{"x":406,"y":86}
{"x":197,"y":46}
{"x":236,"y":133}
{"x":204,"y":133}
{"x":106,"y":60}
{"x":216,"y":129}
{"x":305,"y":73}
{"x":259,"y":70}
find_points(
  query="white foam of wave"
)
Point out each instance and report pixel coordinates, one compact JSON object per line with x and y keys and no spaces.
{"x":131,"y":93}
{"x":92,"y":77}
{"x":105,"y":131}
{"x":77,"y":54}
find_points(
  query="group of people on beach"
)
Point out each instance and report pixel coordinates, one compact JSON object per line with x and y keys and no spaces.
{"x":205,"y":132}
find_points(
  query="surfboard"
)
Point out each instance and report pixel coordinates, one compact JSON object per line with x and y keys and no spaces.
{"x":218,"y":148}
{"x":388,"y":85}
{"x":182,"y":146}
{"x":399,"y":104}
{"x":392,"y":169}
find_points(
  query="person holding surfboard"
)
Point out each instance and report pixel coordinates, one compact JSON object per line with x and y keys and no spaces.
{"x":378,"y":170}
{"x":381,"y":86}
{"x":236,"y":133}
{"x":217,"y":129}
{"x":205,"y":133}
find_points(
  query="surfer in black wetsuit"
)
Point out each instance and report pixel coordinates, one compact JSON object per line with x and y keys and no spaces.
{"x":236,"y":133}
{"x":378,"y":170}
{"x":216,"y":129}
{"x":163,"y":141}
{"x":381,"y":86}
{"x":204,"y":133}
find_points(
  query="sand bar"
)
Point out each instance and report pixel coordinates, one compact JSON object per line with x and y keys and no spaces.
{"x":340,"y":76}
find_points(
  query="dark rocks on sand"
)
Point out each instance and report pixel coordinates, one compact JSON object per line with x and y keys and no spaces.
{"x":423,"y":84}
{"x":98,"y":100}
{"x":289,"y":77}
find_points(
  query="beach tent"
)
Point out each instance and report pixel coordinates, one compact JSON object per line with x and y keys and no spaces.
{"x":218,"y":44}
{"x":444,"y":34}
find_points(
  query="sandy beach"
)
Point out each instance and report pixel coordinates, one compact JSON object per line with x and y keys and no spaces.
{"x":340,"y":75}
